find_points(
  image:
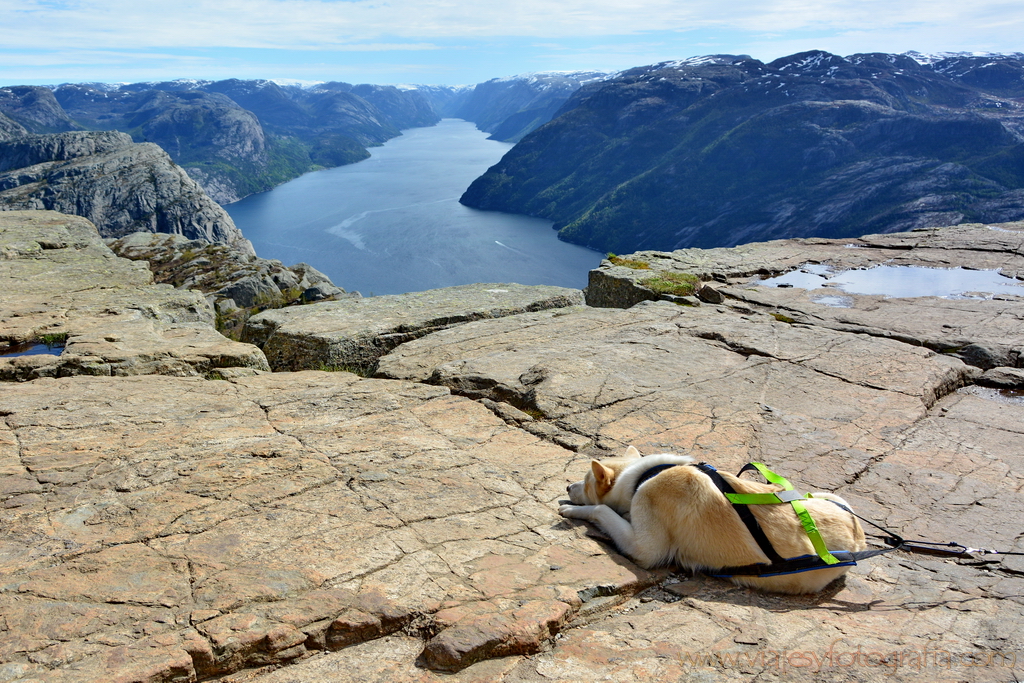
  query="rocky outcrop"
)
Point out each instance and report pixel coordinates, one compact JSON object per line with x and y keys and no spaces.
{"x":354,"y":333}
{"x":983,"y":332}
{"x":120,"y":186}
{"x":724,"y":150}
{"x":103,"y":315}
{"x":235,"y":282}
{"x":166,"y":528}
{"x":10,"y":129}
{"x":32,"y":150}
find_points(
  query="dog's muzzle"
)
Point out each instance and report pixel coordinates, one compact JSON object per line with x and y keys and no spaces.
{"x":577,"y":496}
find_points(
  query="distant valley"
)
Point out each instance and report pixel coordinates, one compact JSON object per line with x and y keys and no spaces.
{"x":236,"y":137}
{"x":708,"y":151}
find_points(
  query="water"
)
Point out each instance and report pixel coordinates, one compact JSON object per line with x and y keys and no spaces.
{"x":393,"y":223}
{"x":31,"y":349}
{"x":898,"y":282}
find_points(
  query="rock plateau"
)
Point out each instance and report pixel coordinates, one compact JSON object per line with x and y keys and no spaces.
{"x":322,"y":526}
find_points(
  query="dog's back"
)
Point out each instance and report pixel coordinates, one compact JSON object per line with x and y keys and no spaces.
{"x":680,"y":515}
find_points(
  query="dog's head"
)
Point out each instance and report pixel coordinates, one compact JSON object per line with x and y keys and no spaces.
{"x":600,"y":480}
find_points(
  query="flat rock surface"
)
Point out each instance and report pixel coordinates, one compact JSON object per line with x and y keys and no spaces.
{"x":60,"y":281}
{"x":158,"y":527}
{"x":354,"y":333}
{"x":877,"y":420}
{"x":970,"y":246}
{"x":986,"y":333}
{"x":653,"y":374}
{"x":322,"y":527}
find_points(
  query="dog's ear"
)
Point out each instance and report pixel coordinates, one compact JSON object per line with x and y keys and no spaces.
{"x":632,"y":452}
{"x":604,"y":478}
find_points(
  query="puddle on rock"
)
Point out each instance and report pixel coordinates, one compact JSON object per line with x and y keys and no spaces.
{"x":899,"y":282}
{"x":833,"y":301}
{"x":30,"y":349}
{"x":1010,"y":396}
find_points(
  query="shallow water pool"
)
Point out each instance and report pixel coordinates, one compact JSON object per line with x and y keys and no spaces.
{"x":899,"y":282}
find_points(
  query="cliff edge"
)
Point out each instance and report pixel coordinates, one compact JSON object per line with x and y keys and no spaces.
{"x":120,"y":186}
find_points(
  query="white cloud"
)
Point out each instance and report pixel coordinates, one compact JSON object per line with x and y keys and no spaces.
{"x":461,"y":41}
{"x":363,"y":24}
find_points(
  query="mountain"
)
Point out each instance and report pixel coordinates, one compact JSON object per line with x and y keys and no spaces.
{"x":235,"y":137}
{"x":35,"y":108}
{"x":403,"y":108}
{"x":511,"y":107}
{"x":218,"y":142}
{"x":446,"y":100}
{"x":722,"y":150}
{"x":121,"y":186}
{"x":238,"y":137}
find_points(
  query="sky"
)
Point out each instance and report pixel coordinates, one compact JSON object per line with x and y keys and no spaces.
{"x":453,"y":42}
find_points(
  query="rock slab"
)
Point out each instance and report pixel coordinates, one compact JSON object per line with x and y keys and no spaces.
{"x":159,"y":528}
{"x":354,"y":333}
{"x":982,"y":331}
{"x":63,"y":284}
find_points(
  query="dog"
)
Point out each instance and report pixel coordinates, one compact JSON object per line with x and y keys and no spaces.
{"x":680,"y":516}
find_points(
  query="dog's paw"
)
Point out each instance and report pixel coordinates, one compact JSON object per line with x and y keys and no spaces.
{"x":575,"y":511}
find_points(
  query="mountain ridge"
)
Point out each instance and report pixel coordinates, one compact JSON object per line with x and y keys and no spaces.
{"x":238,"y":137}
{"x":724,"y":149}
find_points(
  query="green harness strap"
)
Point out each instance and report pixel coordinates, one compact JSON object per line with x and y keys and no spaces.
{"x":794,"y":498}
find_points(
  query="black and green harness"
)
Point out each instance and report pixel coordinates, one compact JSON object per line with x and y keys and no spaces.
{"x":823,"y":559}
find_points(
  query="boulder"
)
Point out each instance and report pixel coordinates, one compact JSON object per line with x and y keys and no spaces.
{"x":1009,"y":378}
{"x":230,"y":277}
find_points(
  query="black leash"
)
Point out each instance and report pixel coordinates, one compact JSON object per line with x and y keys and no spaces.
{"x":949,"y":549}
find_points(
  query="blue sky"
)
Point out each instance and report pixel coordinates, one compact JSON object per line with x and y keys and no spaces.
{"x":461,"y":41}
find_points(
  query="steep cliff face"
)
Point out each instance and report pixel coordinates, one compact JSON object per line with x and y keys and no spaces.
{"x":404,"y":108}
{"x":446,"y":100}
{"x":10,"y":128}
{"x":121,"y":186}
{"x":721,"y":150}
{"x":207,"y":133}
{"x":35,"y":108}
{"x":275,"y":106}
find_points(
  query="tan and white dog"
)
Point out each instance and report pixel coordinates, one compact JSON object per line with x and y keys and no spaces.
{"x":680,"y":516}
